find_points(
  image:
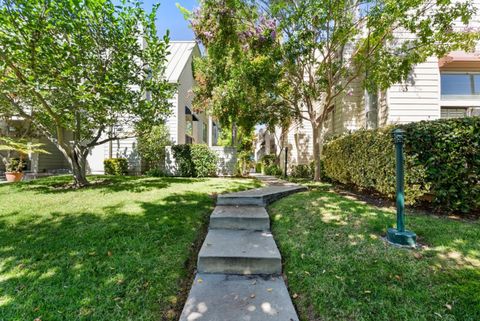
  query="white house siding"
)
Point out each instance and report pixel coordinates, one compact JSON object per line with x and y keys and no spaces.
{"x":349,"y":111}
{"x":55,"y":160}
{"x":172,"y":120}
{"x":419,"y":98}
{"x":300,"y":143}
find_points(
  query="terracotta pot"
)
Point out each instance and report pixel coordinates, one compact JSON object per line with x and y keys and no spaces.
{"x":13,"y":176}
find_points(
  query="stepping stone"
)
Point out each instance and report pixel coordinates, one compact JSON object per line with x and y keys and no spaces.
{"x":240,"y":218}
{"x":259,"y":196}
{"x":239,"y":252}
{"x":218,"y":297}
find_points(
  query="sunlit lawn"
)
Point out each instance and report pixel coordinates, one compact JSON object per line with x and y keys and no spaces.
{"x":339,"y":268}
{"x":116,"y":251}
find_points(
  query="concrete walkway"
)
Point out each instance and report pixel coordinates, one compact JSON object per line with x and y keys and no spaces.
{"x":239,"y":266}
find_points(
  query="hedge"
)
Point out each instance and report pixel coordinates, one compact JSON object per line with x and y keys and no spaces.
{"x":442,"y":162}
{"x":303,"y":170}
{"x":116,"y":166}
{"x":195,"y":160}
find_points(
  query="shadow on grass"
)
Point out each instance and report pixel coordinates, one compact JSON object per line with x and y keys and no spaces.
{"x":340,"y":268}
{"x":107,"y":184}
{"x":84,"y":266}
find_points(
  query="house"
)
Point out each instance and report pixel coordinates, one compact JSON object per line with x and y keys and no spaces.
{"x":186,"y":126}
{"x":438,"y":88}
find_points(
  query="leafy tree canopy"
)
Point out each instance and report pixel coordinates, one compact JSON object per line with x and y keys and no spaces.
{"x":238,"y":77}
{"x":83,"y":72}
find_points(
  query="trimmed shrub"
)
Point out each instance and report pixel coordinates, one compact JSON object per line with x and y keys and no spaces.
{"x":151,"y":146}
{"x":258,"y":167}
{"x":273,"y":170}
{"x":441,"y":161}
{"x":303,"y":171}
{"x":195,"y":160}
{"x":116,"y":166}
{"x":204,"y":161}
{"x":244,"y":163}
{"x":267,"y":161}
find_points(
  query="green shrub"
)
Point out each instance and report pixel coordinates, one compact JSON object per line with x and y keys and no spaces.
{"x":268,"y":161}
{"x":244,"y":163}
{"x":183,"y":159}
{"x":258,"y":167}
{"x":116,"y":166}
{"x":303,"y":171}
{"x":441,"y":158}
{"x":151,"y":146}
{"x":273,"y":170}
{"x":204,"y":161}
{"x":155,"y":172}
{"x":195,"y":160}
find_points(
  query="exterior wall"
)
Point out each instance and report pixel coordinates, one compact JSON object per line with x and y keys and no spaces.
{"x":177,"y":121}
{"x":349,"y":111}
{"x":300,"y":143}
{"x":172,"y":120}
{"x":52,"y":161}
{"x":419,"y":98}
{"x":124,"y":148}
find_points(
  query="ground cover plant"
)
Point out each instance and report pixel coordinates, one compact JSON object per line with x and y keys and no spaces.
{"x":113,"y":251}
{"x":338,"y":267}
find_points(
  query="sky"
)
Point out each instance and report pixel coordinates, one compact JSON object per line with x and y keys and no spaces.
{"x":169,"y":17}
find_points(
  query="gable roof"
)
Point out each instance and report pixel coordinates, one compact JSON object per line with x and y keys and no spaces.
{"x":180,"y":52}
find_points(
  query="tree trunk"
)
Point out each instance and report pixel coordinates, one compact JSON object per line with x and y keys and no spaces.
{"x":317,"y":150}
{"x":79,"y":168}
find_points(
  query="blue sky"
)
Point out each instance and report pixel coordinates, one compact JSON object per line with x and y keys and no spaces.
{"x":169,"y":17}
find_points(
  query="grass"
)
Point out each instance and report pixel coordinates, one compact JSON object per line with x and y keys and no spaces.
{"x":339,"y":268}
{"x":114,"y":251}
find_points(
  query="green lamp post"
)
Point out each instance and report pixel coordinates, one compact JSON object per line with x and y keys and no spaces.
{"x":400,"y":236}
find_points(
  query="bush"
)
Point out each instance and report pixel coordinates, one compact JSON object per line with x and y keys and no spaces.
{"x":273,"y":170}
{"x":268,"y":161}
{"x":156,"y":172}
{"x":244,"y":163}
{"x":195,"y":160}
{"x":441,"y":159}
{"x":151,"y":146}
{"x":303,"y":171}
{"x":258,"y":167}
{"x":116,"y":166}
{"x":204,"y":161}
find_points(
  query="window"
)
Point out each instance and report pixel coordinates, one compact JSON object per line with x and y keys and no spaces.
{"x":458,"y":112}
{"x":460,"y":85}
{"x":453,"y":112}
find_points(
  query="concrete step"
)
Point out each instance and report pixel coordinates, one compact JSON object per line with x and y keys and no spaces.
{"x":239,"y":252}
{"x":259,"y":196}
{"x":240,"y":218}
{"x":217,"y":297}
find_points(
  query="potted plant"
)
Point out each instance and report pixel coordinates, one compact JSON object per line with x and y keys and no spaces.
{"x":14,"y":166}
{"x":14,"y":169}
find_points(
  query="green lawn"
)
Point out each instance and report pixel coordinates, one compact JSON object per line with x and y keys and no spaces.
{"x":339,"y":268}
{"x":116,"y":251}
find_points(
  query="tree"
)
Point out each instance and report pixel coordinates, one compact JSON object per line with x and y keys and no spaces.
{"x":237,"y":79}
{"x":83,"y":72}
{"x":328,"y":44}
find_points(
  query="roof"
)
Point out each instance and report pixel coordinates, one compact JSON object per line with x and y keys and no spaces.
{"x":180,"y":52}
{"x":460,"y":60}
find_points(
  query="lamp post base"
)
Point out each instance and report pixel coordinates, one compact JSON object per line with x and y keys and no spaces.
{"x":406,"y":238}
